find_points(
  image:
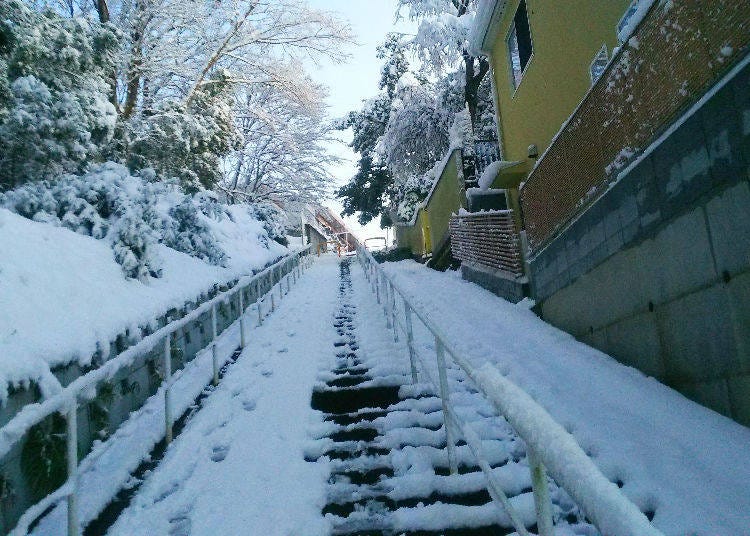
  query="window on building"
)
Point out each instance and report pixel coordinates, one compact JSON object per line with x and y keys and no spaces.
{"x":599,"y":64}
{"x":519,"y":43}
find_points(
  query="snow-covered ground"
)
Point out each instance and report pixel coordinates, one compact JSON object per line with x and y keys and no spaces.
{"x":686,"y":463}
{"x":239,"y":465}
{"x":62,"y":295}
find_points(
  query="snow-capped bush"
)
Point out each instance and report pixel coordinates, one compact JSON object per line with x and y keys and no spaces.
{"x":412,"y":193}
{"x":131,"y":212}
{"x":55,"y":113}
{"x":273,"y":220}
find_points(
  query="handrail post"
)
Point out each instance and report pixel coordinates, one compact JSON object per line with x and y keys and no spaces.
{"x":387,"y":304}
{"x":410,"y":342}
{"x":72,"y":459}
{"x":167,"y":390}
{"x":393,"y":313}
{"x":445,"y":399}
{"x":214,"y":350}
{"x":377,"y":286}
{"x":541,"y":494}
{"x":242,"y":320}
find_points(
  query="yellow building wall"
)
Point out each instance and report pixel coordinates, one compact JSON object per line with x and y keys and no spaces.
{"x":431,"y":224}
{"x":412,"y":237}
{"x":565,"y":35}
{"x":444,"y":201}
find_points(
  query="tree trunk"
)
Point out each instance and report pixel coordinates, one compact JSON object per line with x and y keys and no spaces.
{"x":472,"y":83}
{"x":133,"y":74}
{"x":102,"y":10}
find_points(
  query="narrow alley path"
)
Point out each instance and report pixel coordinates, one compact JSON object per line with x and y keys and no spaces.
{"x":317,"y":429}
{"x":390,"y":472}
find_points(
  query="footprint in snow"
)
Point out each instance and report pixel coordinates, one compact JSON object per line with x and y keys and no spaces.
{"x":211,"y":429}
{"x":283,"y":350}
{"x":167,"y":492}
{"x":249,"y":405}
{"x":219,"y":453}
{"x":267,"y":373}
{"x":180,"y":526}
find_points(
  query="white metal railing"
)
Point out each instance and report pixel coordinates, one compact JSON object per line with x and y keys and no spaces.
{"x":66,"y":401}
{"x":549,"y":446}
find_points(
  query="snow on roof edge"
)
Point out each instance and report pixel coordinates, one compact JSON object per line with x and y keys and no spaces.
{"x":488,"y":12}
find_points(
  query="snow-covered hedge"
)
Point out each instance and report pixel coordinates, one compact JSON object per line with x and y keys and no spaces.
{"x":133,"y":213}
{"x":273,"y":219}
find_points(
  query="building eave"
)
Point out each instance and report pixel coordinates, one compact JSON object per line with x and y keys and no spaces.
{"x":486,"y":25}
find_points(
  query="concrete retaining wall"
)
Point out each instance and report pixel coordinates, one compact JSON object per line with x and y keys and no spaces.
{"x":657,"y":271}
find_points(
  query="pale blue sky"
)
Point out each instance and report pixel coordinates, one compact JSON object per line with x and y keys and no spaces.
{"x":356,"y":80}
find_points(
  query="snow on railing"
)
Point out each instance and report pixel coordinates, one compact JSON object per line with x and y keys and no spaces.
{"x":85,"y":386}
{"x":549,"y":446}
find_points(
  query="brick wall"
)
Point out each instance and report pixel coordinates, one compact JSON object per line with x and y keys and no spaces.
{"x":680,"y":49}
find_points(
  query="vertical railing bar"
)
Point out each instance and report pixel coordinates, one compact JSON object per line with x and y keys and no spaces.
{"x":167,"y":390}
{"x":445,"y":400}
{"x":377,"y":286}
{"x":542,"y":500}
{"x":214,"y":349}
{"x":393,"y":312}
{"x":410,"y":341}
{"x":72,"y":459}
{"x":386,"y":304}
{"x":242,"y":320}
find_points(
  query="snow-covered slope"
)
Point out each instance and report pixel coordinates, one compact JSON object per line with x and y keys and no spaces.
{"x":62,"y":295}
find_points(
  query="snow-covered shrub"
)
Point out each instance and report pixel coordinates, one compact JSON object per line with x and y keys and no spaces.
{"x":133,"y":244}
{"x":133,"y":213}
{"x":55,"y":114}
{"x":412,"y":192}
{"x":273,"y":220}
{"x":188,"y":232}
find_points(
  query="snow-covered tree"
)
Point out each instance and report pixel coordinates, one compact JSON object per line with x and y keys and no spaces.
{"x":441,"y":42}
{"x":185,"y":140}
{"x":417,"y":132}
{"x":283,"y":154}
{"x":54,"y":112}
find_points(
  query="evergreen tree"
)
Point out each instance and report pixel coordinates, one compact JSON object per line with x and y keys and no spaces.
{"x":55,"y":115}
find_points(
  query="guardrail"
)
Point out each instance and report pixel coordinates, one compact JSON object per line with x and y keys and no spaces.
{"x":82,"y":388}
{"x":549,"y":446}
{"x":489,"y":239}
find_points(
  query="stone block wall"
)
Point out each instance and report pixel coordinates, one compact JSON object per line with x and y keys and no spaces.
{"x":656,"y":272}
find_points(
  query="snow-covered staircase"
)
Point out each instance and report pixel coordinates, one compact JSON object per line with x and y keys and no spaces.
{"x":387,"y":445}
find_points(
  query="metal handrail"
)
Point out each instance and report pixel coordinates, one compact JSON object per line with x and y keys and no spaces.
{"x":549,"y":445}
{"x":66,"y":401}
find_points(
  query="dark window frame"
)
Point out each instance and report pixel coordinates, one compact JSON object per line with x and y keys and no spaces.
{"x":520,"y":44}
